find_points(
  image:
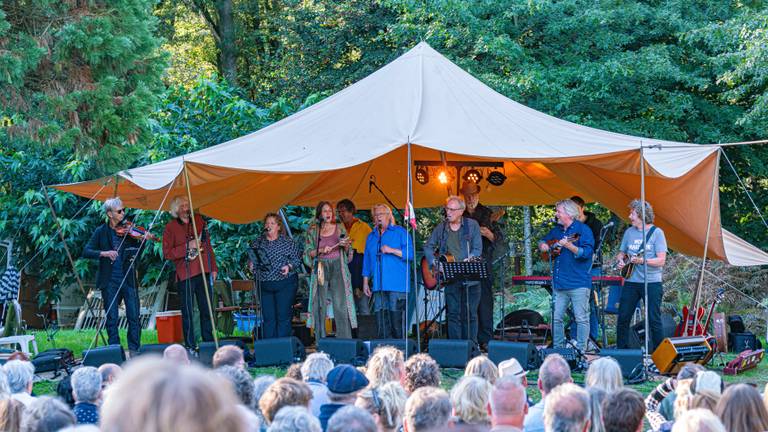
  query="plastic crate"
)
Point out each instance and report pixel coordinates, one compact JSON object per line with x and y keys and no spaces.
{"x":246,"y":321}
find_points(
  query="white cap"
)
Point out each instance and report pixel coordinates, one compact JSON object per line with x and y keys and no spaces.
{"x":511,"y":367}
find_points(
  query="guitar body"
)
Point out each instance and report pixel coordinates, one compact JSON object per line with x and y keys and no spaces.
{"x":429,"y":275}
{"x":555,"y":249}
{"x":629,"y":267}
{"x":690,"y":324}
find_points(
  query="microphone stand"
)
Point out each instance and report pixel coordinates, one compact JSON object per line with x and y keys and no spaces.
{"x":601,"y":297}
{"x":372,"y":182}
{"x":384,"y":325}
{"x":315,"y":267}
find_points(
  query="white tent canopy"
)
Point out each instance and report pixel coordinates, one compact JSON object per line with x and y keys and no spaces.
{"x":330,"y":150}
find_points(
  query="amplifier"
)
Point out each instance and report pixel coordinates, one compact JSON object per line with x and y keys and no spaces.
{"x":569,"y":354}
{"x":673,"y":353}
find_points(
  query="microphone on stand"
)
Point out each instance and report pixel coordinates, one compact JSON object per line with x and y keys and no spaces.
{"x":608,"y":225}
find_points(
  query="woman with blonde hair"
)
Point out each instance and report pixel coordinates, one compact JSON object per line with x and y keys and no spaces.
{"x":469,"y":398}
{"x":385,"y":365}
{"x":386,"y":404}
{"x":172,"y":398}
{"x":741,"y":408}
{"x":481,"y":366}
{"x":604,"y":373}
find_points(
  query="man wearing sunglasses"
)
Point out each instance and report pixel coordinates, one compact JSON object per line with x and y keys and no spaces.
{"x":116,"y":277}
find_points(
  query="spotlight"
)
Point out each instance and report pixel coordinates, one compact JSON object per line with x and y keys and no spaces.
{"x":473,"y":175}
{"x":442,"y":177}
{"x":422,"y":175}
{"x":496,"y":178}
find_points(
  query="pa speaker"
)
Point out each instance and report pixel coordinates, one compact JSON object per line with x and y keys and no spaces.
{"x":157,"y":349}
{"x":629,"y":359}
{"x":637,"y":333}
{"x":524,"y":352}
{"x":367,"y":328}
{"x":451,"y":353}
{"x":408,"y":348}
{"x":206,"y":350}
{"x":350,"y":351}
{"x":278,"y":351}
{"x":107,"y":354}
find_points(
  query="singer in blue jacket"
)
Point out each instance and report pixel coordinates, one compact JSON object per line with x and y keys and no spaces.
{"x":388,"y":251}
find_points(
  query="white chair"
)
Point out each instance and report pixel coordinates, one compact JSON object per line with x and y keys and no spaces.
{"x":22,"y":341}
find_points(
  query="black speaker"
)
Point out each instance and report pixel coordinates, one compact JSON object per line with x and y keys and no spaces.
{"x":524,"y":352}
{"x":350,"y":351}
{"x":278,"y":351}
{"x":569,"y":354}
{"x":206,"y":350}
{"x":452,"y":353}
{"x":397,"y":343}
{"x":637,"y":333}
{"x":736,"y":324}
{"x":628,"y":359}
{"x":738,"y":342}
{"x":107,"y":354}
{"x":156,"y":349}
{"x":367,"y":327}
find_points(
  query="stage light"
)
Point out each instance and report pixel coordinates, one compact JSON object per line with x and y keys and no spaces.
{"x":473,"y":175}
{"x":442,"y":177}
{"x":422,"y":175}
{"x":496,"y":178}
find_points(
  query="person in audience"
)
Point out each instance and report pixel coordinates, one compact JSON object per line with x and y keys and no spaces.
{"x":157,"y":395}
{"x":741,"y":409}
{"x":512,"y":367}
{"x":5,"y":391}
{"x":176,"y":354}
{"x":567,"y":409}
{"x":623,"y":411}
{"x":427,"y":409}
{"x":315,"y":370}
{"x":243,"y":385}
{"x":421,"y":370}
{"x":469,"y":398}
{"x":698,"y":420}
{"x":260,"y":385}
{"x":659,"y":404}
{"x":10,"y":414}
{"x":508,"y":405}
{"x":605,"y":373}
{"x":284,"y":392}
{"x":705,"y":399}
{"x":386,"y":364}
{"x":482,"y":367}
{"x":86,"y":389}
{"x":344,"y":383}
{"x":109,"y":373}
{"x":46,"y":414}
{"x":553,"y":372}
{"x":294,"y":371}
{"x":229,"y":355}
{"x":351,"y":419}
{"x":294,"y":419}
{"x":596,"y":398}
{"x":385,"y":403}
{"x":20,"y":374}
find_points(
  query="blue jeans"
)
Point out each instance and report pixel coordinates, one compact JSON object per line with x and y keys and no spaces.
{"x":276,"y":299}
{"x":579,"y":299}
{"x":112,"y":296}
{"x":457,"y":295}
{"x":594,"y":322}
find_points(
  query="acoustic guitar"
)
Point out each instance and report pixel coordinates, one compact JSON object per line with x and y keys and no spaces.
{"x":629,"y":267}
{"x":430,"y":275}
{"x":555,"y":249}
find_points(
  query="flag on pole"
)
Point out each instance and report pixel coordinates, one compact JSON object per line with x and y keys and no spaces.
{"x":410,"y":214}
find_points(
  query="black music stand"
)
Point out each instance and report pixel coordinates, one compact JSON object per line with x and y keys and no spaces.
{"x":466,"y":271}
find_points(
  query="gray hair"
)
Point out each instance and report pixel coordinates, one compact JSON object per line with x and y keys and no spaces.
{"x":176,"y":203}
{"x":698,"y":420}
{"x":596,"y":397}
{"x":351,"y":419}
{"x":427,"y":408}
{"x":316,"y":367}
{"x":86,"y":384}
{"x":109,"y":371}
{"x":112,"y":204}
{"x":20,"y":374}
{"x":5,"y":391}
{"x":260,"y":385}
{"x":553,"y":372}
{"x":508,"y":397}
{"x":241,"y":381}
{"x":46,"y":414}
{"x":294,"y":419}
{"x":570,"y":207}
{"x":567,"y":409}
{"x":457,"y":199}
{"x":605,"y":373}
{"x":637,"y":206}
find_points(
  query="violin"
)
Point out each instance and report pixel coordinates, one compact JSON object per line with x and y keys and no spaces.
{"x":128,"y":228}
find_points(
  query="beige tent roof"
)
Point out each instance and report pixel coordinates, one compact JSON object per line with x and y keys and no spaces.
{"x":331,"y":149}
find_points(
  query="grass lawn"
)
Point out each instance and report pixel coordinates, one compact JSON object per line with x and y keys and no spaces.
{"x":78,"y":341}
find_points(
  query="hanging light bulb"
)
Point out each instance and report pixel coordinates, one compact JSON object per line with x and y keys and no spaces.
{"x":442,"y":177}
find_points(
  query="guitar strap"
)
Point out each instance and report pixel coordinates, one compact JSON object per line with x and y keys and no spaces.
{"x":647,"y":239}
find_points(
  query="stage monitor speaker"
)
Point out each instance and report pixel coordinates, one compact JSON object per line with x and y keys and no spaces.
{"x":107,"y":354}
{"x":637,"y":332}
{"x":452,"y":353}
{"x":630,"y":360}
{"x":206,"y":350}
{"x":157,"y":349}
{"x":367,"y":328}
{"x":673,"y":353}
{"x":400,"y":344}
{"x":350,"y":351}
{"x":278,"y":352}
{"x":524,"y":352}
{"x":738,"y":342}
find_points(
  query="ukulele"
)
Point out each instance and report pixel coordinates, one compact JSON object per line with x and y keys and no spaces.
{"x":554,"y":247}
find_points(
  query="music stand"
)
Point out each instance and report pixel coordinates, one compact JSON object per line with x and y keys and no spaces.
{"x":466,"y":271}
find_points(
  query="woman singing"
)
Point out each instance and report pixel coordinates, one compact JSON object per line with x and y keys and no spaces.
{"x":278,"y":260}
{"x":652,"y":257}
{"x":330,"y":277}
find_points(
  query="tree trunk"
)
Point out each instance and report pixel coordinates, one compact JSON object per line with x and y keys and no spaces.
{"x":527,"y":237}
{"x":227,"y":47}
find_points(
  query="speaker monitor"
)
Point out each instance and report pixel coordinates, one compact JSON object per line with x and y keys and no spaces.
{"x":524,"y":352}
{"x":367,"y":328}
{"x":637,"y":333}
{"x":451,"y":353}
{"x":278,"y":351}
{"x":157,"y":349}
{"x":629,"y":359}
{"x":107,"y":354}
{"x":206,"y":350}
{"x":350,"y":351}
{"x":397,"y":343}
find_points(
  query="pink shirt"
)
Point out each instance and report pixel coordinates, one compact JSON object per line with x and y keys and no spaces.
{"x":331,"y":240}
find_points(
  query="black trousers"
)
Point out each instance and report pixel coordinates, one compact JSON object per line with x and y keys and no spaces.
{"x":190,"y":289}
{"x":631,"y":293}
{"x":277,"y":298}
{"x":485,"y":310}
{"x":462,"y":321}
{"x":111,"y":296}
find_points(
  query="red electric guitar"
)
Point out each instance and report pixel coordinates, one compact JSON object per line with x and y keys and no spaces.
{"x":692,"y":326}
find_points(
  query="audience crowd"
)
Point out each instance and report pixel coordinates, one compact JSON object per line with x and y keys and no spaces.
{"x":389,"y":394}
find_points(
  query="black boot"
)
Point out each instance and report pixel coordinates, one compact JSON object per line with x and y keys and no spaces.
{"x":396,"y":318}
{"x":383,"y":325}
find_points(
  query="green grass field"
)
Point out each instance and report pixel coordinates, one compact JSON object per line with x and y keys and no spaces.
{"x":78,"y":341}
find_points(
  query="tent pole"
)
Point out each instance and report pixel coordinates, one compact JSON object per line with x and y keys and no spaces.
{"x":645,"y":265}
{"x":697,"y":294}
{"x":200,"y":257}
{"x":410,"y":210}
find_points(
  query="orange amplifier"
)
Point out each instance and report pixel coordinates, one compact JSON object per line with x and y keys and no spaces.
{"x":673,"y":353}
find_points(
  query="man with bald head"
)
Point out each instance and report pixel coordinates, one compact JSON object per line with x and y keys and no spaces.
{"x":176,"y":354}
{"x":109,"y":373}
{"x":552,"y":373}
{"x":508,"y":404}
{"x":567,"y":409}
